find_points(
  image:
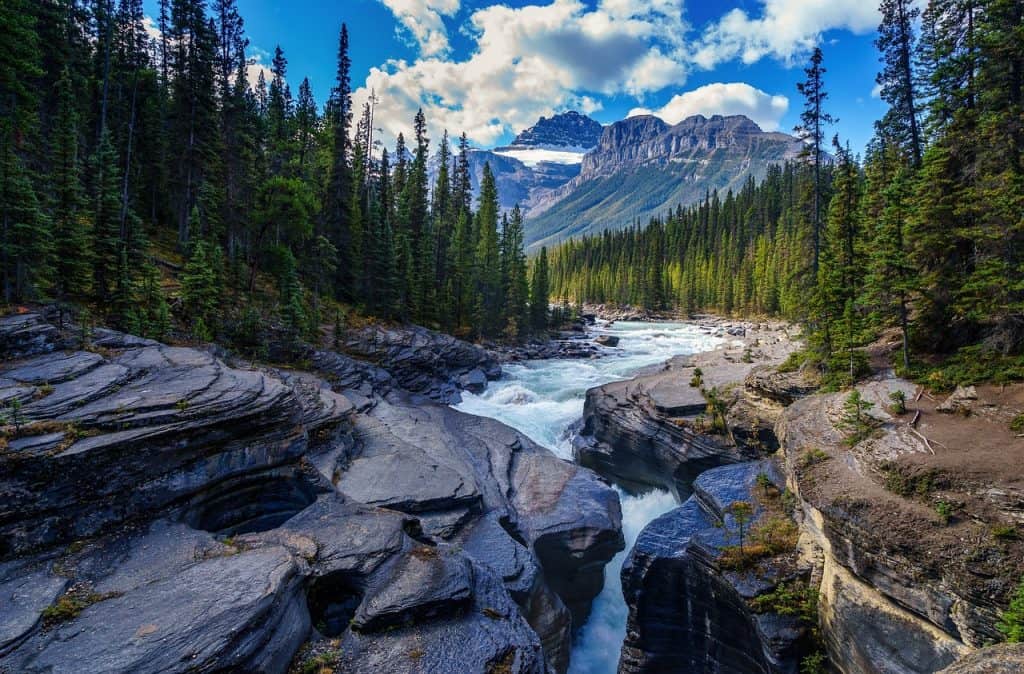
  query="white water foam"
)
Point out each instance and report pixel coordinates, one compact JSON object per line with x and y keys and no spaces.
{"x":543,"y":399}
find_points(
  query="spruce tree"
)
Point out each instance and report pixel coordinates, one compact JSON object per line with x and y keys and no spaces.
{"x":540,"y":292}
{"x":489,"y":298}
{"x":813,"y":121}
{"x":72,"y":254}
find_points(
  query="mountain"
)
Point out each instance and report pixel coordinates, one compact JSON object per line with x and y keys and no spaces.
{"x":562,"y":139}
{"x":540,"y":160}
{"x":642,"y":165}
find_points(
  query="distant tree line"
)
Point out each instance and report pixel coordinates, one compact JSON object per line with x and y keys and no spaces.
{"x":924,"y":234}
{"x":149,"y":179}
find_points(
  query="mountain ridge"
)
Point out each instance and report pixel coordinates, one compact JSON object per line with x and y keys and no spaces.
{"x":643,"y":165}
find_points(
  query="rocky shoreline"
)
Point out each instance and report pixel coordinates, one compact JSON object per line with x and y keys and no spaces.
{"x":164,"y":510}
{"x":842,"y":542}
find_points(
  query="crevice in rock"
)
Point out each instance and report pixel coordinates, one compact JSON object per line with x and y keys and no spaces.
{"x":332,"y":600}
{"x":254,"y":505}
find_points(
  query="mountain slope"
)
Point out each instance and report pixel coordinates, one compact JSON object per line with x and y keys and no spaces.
{"x":642,"y":166}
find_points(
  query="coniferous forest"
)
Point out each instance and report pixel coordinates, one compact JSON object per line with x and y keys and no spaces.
{"x":924,"y":234}
{"x":145,"y":178}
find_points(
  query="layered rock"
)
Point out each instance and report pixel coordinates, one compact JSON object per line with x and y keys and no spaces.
{"x":901,"y":519}
{"x":689,"y":614}
{"x":423,"y":361}
{"x":652,"y":431}
{"x":163,"y":511}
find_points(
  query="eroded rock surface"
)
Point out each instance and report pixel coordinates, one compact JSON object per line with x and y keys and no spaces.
{"x":902,"y":520}
{"x":652,"y":431}
{"x":164,"y":511}
{"x":422,"y":361}
{"x":689,"y":614}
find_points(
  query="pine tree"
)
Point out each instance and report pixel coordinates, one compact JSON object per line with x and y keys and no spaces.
{"x":540,"y":292}
{"x":72,"y":254}
{"x":897,"y":82}
{"x":488,"y":260}
{"x":890,"y":279}
{"x":339,"y":191}
{"x":516,"y":284}
{"x":813,"y":121}
{"x":201,"y":289}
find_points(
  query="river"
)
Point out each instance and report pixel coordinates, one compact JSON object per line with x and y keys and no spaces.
{"x":544,"y":399}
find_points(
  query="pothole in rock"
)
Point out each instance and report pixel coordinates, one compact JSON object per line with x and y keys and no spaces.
{"x":332,"y":600}
{"x":252,"y":506}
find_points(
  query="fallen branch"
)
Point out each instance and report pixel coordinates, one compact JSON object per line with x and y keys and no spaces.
{"x":917,"y":417}
{"x":926,"y":443}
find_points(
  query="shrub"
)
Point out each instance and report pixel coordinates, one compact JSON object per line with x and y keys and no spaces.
{"x":1017,"y":425}
{"x":1005,"y":532}
{"x":944,"y":510}
{"x":813,"y":664}
{"x":1011,"y":621}
{"x":855,"y":420}
{"x":697,"y":380}
{"x":812,"y":457}
{"x":777,"y":534}
{"x":795,"y":599}
{"x":899,"y":403}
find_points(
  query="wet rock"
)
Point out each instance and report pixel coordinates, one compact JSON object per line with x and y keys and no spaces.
{"x":686,"y":614}
{"x":421,"y":361}
{"x":642,"y":434}
{"x":215,"y":518}
{"x":607,"y":340}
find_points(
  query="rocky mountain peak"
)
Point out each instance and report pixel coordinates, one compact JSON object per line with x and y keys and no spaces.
{"x":568,"y":129}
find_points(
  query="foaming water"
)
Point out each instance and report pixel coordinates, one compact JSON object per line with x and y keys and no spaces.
{"x":543,"y":399}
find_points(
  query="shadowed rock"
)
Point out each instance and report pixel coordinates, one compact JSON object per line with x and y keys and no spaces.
{"x":203,"y":517}
{"x":686,"y":614}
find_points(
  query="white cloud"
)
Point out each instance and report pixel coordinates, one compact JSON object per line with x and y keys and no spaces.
{"x":876,"y":91}
{"x":785,"y":29}
{"x":424,"y":21}
{"x":531,"y":61}
{"x":734,"y":98}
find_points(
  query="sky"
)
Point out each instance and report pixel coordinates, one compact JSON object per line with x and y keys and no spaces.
{"x":491,"y":68}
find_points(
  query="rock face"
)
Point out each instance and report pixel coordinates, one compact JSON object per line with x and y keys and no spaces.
{"x":643,"y":165}
{"x":569,"y":129}
{"x":163,"y":511}
{"x":1000,"y":659}
{"x":903,"y":588}
{"x":648,"y":432}
{"x":686,"y":613}
{"x":422,"y":361}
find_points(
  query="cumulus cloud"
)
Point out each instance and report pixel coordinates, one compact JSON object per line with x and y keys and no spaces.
{"x":733,"y":98}
{"x":785,"y":29}
{"x":535,"y":60}
{"x":423,"y":20}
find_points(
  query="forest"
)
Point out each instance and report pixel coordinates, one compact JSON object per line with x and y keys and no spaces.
{"x":145,"y":179}
{"x":923,"y":235}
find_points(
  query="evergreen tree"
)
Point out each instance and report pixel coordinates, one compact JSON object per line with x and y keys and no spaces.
{"x":72,"y":259}
{"x":339,"y":192}
{"x":897,"y":84}
{"x":540,"y":292}
{"x":201,"y":290}
{"x":813,"y":121}
{"x":489,"y":298}
{"x":516,"y":284}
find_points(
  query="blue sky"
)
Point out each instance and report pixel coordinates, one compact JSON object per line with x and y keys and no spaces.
{"x":491,"y":68}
